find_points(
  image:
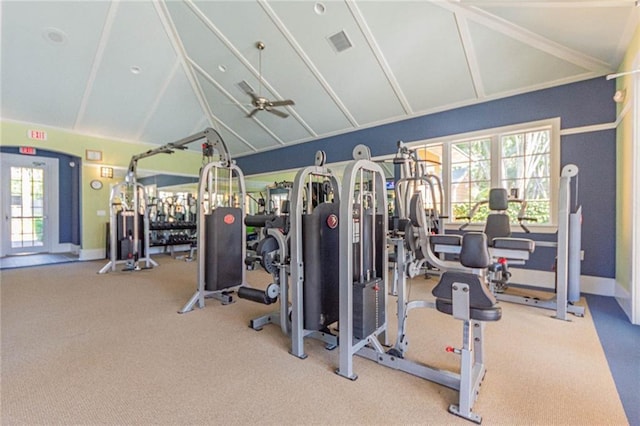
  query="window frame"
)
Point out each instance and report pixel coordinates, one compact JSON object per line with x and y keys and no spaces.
{"x":495,"y":135}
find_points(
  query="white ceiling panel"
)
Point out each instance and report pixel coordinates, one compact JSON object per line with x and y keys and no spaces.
{"x":507,"y":64}
{"x":43,"y":80}
{"x":177,"y":109}
{"x":574,"y":27}
{"x":424,"y":62}
{"x":119,"y":99}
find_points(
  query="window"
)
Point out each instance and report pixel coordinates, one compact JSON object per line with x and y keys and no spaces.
{"x":524,"y":159}
{"x":526,"y":170}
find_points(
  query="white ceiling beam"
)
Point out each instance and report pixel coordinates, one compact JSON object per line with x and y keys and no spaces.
{"x":307,"y":61}
{"x":97,"y":60}
{"x":377,"y":52}
{"x":525,"y":36}
{"x":470,"y":55}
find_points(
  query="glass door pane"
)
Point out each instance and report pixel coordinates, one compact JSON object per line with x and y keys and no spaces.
{"x":27,"y":230}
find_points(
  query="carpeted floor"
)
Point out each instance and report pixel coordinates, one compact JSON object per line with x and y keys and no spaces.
{"x":82,"y":348}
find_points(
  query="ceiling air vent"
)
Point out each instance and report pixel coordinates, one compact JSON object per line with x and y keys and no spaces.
{"x":340,"y":41}
{"x":245,"y":87}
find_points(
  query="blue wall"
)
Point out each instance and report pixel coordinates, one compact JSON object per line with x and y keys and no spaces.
{"x":68,"y":193}
{"x":578,"y":104}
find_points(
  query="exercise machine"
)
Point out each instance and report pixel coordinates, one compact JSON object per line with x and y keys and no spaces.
{"x":221,"y":233}
{"x":314,"y":232}
{"x":567,"y":288}
{"x":363,"y":261}
{"x":128,"y":227}
{"x":308,"y":252}
{"x":462,"y":293}
{"x":511,"y":250}
{"x":140,"y":203}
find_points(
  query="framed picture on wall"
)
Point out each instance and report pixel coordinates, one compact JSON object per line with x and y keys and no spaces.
{"x":92,"y":155}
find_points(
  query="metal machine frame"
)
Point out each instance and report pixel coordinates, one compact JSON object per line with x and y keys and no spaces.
{"x":354,"y":174}
{"x":472,"y":368}
{"x":303,"y":185}
{"x":210,"y":184}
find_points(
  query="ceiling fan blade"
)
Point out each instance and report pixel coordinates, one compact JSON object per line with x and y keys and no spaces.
{"x":282,"y":103}
{"x":252,"y":113}
{"x":278,"y":113}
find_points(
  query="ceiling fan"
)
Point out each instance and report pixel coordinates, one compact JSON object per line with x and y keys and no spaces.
{"x":261,"y":103}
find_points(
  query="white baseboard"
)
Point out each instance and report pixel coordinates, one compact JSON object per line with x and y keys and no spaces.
{"x":65,"y":248}
{"x":92,"y":254}
{"x":546,"y":280}
{"x":623,"y":297}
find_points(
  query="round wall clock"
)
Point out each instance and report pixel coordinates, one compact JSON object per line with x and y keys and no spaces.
{"x":96,"y":184}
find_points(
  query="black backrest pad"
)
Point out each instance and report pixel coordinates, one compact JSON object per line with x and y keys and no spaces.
{"x":223,"y":248}
{"x":414,"y":206}
{"x":479,"y":294}
{"x":498,"y":199}
{"x":321,"y":243}
{"x":497,"y":226}
{"x":474,"y":252}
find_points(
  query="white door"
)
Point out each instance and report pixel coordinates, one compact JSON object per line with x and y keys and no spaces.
{"x":29,"y":204}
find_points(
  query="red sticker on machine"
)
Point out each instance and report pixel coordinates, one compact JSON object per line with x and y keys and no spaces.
{"x":229,"y":219}
{"x":332,"y":221}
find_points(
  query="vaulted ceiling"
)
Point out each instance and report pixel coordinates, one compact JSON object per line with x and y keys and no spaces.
{"x":157,"y":71}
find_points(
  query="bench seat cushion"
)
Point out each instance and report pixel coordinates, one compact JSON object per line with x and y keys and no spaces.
{"x":514,"y":244}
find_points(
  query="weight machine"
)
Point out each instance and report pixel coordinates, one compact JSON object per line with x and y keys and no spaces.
{"x":315,"y":204}
{"x":517,"y":251}
{"x":363,"y":320}
{"x":213,"y":143}
{"x":568,"y":257}
{"x":221,"y":236}
{"x":313,"y":240}
{"x":129,"y":204}
{"x":363,"y":261}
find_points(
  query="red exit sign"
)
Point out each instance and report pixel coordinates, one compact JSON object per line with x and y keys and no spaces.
{"x":39,"y":135}
{"x":27,"y":150}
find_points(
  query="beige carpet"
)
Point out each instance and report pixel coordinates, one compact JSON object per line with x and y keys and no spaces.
{"x":82,"y":348}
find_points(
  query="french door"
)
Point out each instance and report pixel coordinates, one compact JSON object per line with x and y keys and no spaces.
{"x":29,"y":203}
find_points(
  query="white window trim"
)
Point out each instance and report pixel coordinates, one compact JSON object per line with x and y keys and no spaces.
{"x":495,"y":133}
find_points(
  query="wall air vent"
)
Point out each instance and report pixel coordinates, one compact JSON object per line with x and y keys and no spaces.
{"x":340,"y":41}
{"x":245,"y":87}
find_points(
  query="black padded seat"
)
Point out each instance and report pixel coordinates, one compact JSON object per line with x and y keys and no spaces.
{"x":482,"y":303}
{"x":446,"y":240}
{"x":478,"y":314}
{"x":514,"y":244}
